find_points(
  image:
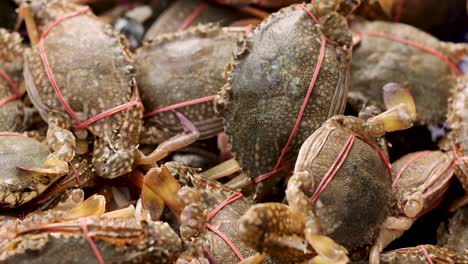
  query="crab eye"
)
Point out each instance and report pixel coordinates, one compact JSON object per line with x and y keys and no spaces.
{"x":412,"y":208}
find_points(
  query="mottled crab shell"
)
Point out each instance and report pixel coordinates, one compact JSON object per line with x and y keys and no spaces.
{"x":226,"y":220}
{"x":91,"y":65}
{"x":377,"y":61}
{"x":11,"y":62}
{"x":119,"y":240}
{"x":415,"y":255}
{"x":356,"y":202}
{"x":268,"y":81}
{"x":444,"y":14}
{"x":17,"y":185}
{"x":458,"y":122}
{"x":173,"y":17}
{"x":263,"y":3}
{"x":454,"y":235}
{"x":174,"y":68}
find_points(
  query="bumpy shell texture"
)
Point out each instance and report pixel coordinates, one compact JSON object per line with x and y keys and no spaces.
{"x":180,"y":10}
{"x":11,"y":59}
{"x":267,"y":84}
{"x":18,"y":186}
{"x":93,"y":74}
{"x":359,"y":193}
{"x":458,"y":122}
{"x":119,"y":240}
{"x":178,"y":67}
{"x":378,"y":61}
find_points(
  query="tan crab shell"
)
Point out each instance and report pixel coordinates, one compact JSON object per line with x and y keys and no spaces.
{"x":268,"y":81}
{"x":123,"y":240}
{"x":178,"y":67}
{"x":263,"y":3}
{"x":378,"y":61}
{"x":18,"y":186}
{"x":415,"y":255}
{"x":11,"y":59}
{"x":458,"y":122}
{"x":174,"y":16}
{"x":359,"y":193}
{"x":92,"y":68}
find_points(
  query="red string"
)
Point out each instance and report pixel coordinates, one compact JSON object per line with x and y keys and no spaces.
{"x":189,"y":20}
{"x":234,"y":197}
{"x":10,"y":134}
{"x":399,"y":11}
{"x":336,"y":165}
{"x":75,"y":172}
{"x":304,"y":103}
{"x":13,"y":87}
{"x":413,"y":44}
{"x":180,"y":105}
{"x":426,"y":254}
{"x":91,"y":242}
{"x":53,"y":82}
{"x":405,"y":166}
{"x":381,"y":154}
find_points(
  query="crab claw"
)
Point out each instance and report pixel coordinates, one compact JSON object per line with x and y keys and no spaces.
{"x":93,"y":206}
{"x":161,"y":182}
{"x":328,"y":250}
{"x":400,"y":114}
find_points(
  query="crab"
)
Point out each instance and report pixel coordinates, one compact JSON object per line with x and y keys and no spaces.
{"x":454,"y":235}
{"x":13,"y":114}
{"x":423,"y":254}
{"x":340,"y":178}
{"x":190,"y":64}
{"x":457,"y":119}
{"x":262,"y":3}
{"x":23,"y":177}
{"x":414,"y":12}
{"x":116,"y":239}
{"x":184,"y":13}
{"x":85,"y":78}
{"x":207,"y":212}
{"x":112,"y":106}
{"x":25,"y":182}
{"x":271,"y":74}
{"x":118,"y":236}
{"x":392,"y":52}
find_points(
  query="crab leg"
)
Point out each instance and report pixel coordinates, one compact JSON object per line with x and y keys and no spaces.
{"x":223,"y":169}
{"x":60,"y":140}
{"x":24,"y":13}
{"x":172,"y":144}
{"x":400,"y":114}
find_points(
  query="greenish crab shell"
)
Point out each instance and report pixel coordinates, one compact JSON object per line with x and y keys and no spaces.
{"x":184,"y":66}
{"x":359,"y":193}
{"x":377,"y":61}
{"x":268,"y":82}
{"x":17,"y":184}
{"x":175,"y":15}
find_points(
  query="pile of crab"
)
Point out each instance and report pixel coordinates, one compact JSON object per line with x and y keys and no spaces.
{"x":233,"y":131}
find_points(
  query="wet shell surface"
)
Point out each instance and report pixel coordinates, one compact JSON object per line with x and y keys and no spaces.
{"x":377,"y":61}
{"x":268,"y":81}
{"x":179,"y":67}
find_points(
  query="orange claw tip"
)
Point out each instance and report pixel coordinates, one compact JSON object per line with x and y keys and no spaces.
{"x":93,"y":206}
